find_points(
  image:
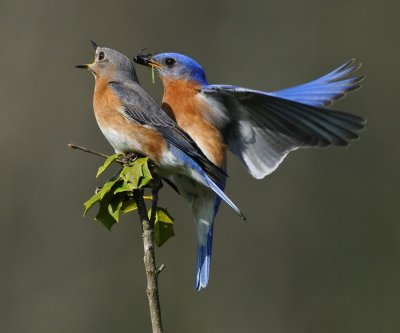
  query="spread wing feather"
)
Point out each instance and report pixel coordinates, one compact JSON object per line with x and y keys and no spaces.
{"x":323,"y":91}
{"x":265,"y":128}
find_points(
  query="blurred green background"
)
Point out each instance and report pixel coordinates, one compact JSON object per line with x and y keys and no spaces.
{"x":320,"y":252}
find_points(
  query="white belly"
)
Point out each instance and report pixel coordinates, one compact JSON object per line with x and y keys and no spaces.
{"x":120,"y":142}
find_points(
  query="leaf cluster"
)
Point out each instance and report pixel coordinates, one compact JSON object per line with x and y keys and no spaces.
{"x":116,"y":198}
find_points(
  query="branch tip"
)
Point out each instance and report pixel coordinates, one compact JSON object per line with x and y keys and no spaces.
{"x":93,"y":152}
{"x":160,"y":269}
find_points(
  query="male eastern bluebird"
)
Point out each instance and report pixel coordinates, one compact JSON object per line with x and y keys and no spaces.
{"x":261,"y":128}
{"x":133,"y":122}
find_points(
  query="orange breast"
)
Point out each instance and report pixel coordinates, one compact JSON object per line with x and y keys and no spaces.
{"x":189,"y":112}
{"x":124,"y":135}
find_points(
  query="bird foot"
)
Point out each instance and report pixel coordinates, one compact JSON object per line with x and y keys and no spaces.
{"x":129,"y":158}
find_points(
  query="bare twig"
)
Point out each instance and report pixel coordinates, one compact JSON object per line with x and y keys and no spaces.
{"x":87,"y":150}
{"x":160,"y":269}
{"x":149,"y":258}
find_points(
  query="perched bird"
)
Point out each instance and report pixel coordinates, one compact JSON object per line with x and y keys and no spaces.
{"x":133,"y":122}
{"x":259,"y":127}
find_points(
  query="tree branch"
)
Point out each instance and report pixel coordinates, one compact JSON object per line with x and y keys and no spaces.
{"x":152,"y":271}
{"x":93,"y":152}
{"x":86,"y":150}
{"x":149,"y":257}
{"x":155,"y":188}
{"x":160,"y":269}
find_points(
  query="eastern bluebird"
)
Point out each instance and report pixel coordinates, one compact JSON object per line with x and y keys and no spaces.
{"x":133,"y":122}
{"x":261,"y":128}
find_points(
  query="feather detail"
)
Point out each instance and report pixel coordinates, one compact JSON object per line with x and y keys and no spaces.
{"x":265,"y":128}
{"x":322,"y":92}
{"x":204,"y":205}
{"x":124,"y":135}
{"x":182,"y":102}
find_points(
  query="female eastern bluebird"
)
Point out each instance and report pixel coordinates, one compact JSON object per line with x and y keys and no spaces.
{"x":261,"y":128}
{"x":133,"y":122}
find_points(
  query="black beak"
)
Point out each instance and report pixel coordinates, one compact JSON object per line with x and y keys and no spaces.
{"x":94,"y":45}
{"x":86,"y":66}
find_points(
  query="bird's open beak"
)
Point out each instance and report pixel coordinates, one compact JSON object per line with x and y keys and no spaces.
{"x":145,"y":60}
{"x":86,"y":66}
{"x":90,"y":67}
{"x":94,"y":45}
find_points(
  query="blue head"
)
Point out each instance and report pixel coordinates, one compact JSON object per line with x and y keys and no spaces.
{"x":174,"y":66}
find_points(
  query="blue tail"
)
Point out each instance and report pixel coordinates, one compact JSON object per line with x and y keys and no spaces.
{"x":204,"y":261}
{"x":205,"y":216}
{"x":204,"y":199}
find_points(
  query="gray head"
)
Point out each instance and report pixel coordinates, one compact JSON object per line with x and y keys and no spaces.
{"x":111,"y":65}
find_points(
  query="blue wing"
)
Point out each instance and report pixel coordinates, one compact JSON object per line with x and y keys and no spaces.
{"x":264,"y":128}
{"x":326,"y":89}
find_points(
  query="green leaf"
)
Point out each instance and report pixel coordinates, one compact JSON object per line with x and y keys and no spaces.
{"x":124,"y":187}
{"x":130,"y":175}
{"x":106,"y":164}
{"x":99,"y":195}
{"x":89,"y":203}
{"x":115,"y":197}
{"x":138,"y":174}
{"x":128,"y":206}
{"x":108,"y":186}
{"x":147,"y":177}
{"x":103,"y":214}
{"x":114,"y":207}
{"x":163,"y":226}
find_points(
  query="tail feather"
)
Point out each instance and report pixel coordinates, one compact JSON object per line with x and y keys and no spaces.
{"x":203,"y":262}
{"x":204,"y":209}
{"x":204,"y":196}
{"x":323,"y":91}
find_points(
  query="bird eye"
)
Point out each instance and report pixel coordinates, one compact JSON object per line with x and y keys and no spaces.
{"x":170,"y":62}
{"x":101,"y":55}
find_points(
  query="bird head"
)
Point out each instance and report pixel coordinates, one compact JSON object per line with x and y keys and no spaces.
{"x":173,"y":66}
{"x":111,"y":65}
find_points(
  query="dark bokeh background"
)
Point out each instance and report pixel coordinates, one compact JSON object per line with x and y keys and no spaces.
{"x":321,"y":250}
